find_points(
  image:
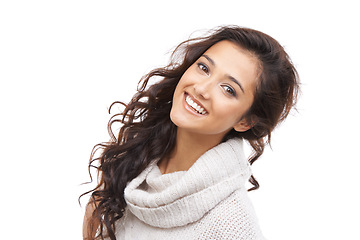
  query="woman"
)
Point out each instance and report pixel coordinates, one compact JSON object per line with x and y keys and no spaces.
{"x":176,"y":169}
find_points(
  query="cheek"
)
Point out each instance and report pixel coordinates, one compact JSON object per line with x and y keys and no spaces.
{"x":179,"y":88}
{"x":230,"y":115}
{"x":183,"y":83}
{"x":180,"y":84}
{"x":225,"y":116}
{"x":188,"y":77}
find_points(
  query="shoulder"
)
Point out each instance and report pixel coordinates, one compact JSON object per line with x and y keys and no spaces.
{"x":233,"y":218}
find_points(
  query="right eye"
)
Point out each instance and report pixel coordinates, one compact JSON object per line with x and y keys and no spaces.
{"x":203,"y":68}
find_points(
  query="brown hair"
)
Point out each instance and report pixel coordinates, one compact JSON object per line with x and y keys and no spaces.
{"x":147,"y":132}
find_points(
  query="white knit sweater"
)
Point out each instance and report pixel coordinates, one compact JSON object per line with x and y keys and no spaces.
{"x":209,"y":201}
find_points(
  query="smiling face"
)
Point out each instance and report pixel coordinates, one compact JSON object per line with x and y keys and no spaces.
{"x":216,"y":91}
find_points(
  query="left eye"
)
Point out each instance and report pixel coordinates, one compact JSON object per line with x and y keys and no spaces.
{"x":229,"y":90}
{"x":203,"y":67}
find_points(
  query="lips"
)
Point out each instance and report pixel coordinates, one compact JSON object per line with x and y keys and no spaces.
{"x":195,"y":105}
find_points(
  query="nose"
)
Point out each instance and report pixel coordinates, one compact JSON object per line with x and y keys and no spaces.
{"x":203,"y":88}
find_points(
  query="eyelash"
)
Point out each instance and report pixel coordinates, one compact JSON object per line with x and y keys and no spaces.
{"x":227,"y":88}
{"x":203,"y":68}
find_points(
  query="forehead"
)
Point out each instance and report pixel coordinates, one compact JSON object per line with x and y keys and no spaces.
{"x":235,"y":61}
{"x":228,"y":49}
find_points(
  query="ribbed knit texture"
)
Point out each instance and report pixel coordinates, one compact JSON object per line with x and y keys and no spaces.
{"x":209,"y":201}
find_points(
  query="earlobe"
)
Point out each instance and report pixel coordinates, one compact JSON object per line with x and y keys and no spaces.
{"x":244,"y":125}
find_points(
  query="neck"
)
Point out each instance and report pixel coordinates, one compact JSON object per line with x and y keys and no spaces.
{"x":188,"y":148}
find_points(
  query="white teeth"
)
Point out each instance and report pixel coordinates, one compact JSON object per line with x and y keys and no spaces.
{"x":194,"y":105}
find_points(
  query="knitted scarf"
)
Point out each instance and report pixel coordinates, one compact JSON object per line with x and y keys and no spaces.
{"x":180,"y":198}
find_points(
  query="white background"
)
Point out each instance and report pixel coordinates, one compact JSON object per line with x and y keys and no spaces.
{"x":62,"y":63}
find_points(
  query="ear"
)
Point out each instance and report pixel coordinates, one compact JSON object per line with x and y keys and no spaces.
{"x":244,"y":125}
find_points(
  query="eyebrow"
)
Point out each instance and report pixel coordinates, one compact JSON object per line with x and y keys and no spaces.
{"x":230,"y":77}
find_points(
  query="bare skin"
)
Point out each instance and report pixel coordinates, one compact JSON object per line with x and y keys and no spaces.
{"x":221,"y":83}
{"x":186,"y":152}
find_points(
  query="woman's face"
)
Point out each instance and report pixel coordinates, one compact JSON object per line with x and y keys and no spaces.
{"x":215,"y":92}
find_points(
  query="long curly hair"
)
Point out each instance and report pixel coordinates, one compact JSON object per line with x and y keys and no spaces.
{"x":147,"y":133}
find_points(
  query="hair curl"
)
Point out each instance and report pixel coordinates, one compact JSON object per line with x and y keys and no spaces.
{"x":147,"y":132}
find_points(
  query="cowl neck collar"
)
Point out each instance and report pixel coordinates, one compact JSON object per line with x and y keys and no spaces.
{"x":180,"y":198}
